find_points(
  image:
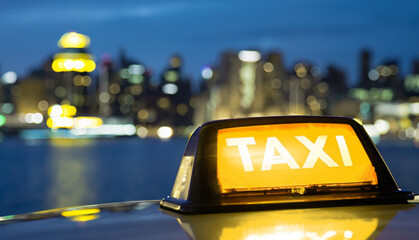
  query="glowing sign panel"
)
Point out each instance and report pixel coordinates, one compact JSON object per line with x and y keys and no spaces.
{"x":298,"y":155}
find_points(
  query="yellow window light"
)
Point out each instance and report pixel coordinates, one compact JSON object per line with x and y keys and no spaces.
{"x":77,"y":62}
{"x":55,"y":111}
{"x":74,"y":40}
{"x":60,"y":122}
{"x":68,"y":110}
{"x":87,"y":122}
{"x":61,"y":111}
{"x":277,"y":162}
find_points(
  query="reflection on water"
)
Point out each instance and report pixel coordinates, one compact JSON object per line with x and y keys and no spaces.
{"x":71,"y":173}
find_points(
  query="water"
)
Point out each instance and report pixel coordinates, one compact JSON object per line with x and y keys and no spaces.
{"x":57,"y":173}
{"x":47,"y":174}
{"x":402,"y":159}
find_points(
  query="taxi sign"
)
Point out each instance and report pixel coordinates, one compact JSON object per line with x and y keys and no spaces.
{"x":283,"y":156}
{"x":280,"y":162}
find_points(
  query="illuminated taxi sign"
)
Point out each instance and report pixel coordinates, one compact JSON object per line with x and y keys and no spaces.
{"x":281,"y":162}
{"x":284,"y":156}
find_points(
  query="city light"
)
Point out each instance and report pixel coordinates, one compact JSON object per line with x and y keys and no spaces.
{"x":73,"y":61}
{"x":142,"y":132}
{"x":300,"y":70}
{"x":372,"y":132}
{"x":9,"y":78}
{"x":163,"y":102}
{"x":206,"y":73}
{"x":171,"y":76}
{"x":165,"y":132}
{"x":77,"y":62}
{"x":106,"y":130}
{"x":55,"y":111}
{"x":247,"y":74}
{"x":268,"y":67}
{"x":249,"y":56}
{"x":373,"y":75}
{"x":7,"y":108}
{"x":60,"y":122}
{"x":36,"y":118}
{"x":382,"y":126}
{"x":175,"y":62}
{"x":87,"y":122}
{"x":61,"y":116}
{"x":393,"y":109}
{"x":2,"y":120}
{"x":43,"y":105}
{"x":170,"y":89}
{"x":68,"y":110}
{"x":136,"y":69}
{"x":74,"y":40}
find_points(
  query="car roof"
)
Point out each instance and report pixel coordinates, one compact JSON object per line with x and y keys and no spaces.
{"x":146,"y":220}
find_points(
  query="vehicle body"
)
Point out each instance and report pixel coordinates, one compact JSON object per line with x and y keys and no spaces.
{"x":212,"y":200}
{"x":145,"y":220}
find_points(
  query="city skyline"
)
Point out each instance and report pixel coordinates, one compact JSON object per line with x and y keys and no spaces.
{"x":320,"y":32}
{"x":242,"y":83}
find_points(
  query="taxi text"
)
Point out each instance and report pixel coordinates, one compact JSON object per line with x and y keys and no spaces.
{"x":273,"y":144}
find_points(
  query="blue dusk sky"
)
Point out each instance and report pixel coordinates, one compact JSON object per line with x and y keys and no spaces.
{"x":319,"y":32}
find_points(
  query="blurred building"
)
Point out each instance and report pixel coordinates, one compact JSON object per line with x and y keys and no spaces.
{"x":365,"y":67}
{"x":411,"y":83}
{"x":8,"y":86}
{"x":248,"y":84}
{"x":174,"y":96}
{"x":123,"y":91}
{"x":73,"y":63}
{"x":127,"y":92}
{"x":276,"y":85}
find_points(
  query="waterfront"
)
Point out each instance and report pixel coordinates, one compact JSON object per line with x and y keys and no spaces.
{"x":44,"y":174}
{"x":38,"y":175}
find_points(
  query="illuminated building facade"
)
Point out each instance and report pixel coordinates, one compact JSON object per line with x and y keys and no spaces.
{"x":247,"y":84}
{"x":73,"y":63}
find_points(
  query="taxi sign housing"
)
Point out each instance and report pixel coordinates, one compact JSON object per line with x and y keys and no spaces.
{"x":281,"y":162}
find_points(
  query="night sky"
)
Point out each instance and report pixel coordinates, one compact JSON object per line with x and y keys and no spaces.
{"x":318,"y":32}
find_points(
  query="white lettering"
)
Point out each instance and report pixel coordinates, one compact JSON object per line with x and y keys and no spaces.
{"x":273,"y":146}
{"x":270,"y":158}
{"x":316,"y":152}
{"x":242,"y":143}
{"x":347,"y":162}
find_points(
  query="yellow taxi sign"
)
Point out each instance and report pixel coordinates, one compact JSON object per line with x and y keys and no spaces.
{"x":297,"y":156}
{"x":281,"y":162}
